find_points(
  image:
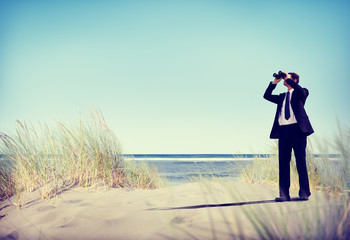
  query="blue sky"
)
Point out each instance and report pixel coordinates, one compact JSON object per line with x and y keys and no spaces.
{"x":173,"y":76}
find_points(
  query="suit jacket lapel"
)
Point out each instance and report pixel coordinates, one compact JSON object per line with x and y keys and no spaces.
{"x":292,"y":101}
{"x":280,"y":103}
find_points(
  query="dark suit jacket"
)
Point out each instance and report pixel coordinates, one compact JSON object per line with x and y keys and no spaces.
{"x":297,"y":102}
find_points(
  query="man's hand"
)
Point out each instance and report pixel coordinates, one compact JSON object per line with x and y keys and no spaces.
{"x":275,"y":81}
{"x":287,"y":76}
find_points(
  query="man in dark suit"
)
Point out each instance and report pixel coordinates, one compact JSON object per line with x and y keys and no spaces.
{"x":291,"y":127}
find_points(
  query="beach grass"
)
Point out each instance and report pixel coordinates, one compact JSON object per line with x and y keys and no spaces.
{"x":324,"y":173}
{"x":328,"y":215}
{"x":325,"y":220}
{"x":324,"y":217}
{"x":54,"y":159}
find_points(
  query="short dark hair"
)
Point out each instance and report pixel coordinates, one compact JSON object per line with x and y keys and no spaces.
{"x":294,"y":76}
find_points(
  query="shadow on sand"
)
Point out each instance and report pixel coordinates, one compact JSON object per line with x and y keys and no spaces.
{"x":223,"y":204}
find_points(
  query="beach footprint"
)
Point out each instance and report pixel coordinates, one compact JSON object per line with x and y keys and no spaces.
{"x":48,"y":217}
{"x":12,"y":236}
{"x":178,"y":220}
{"x":77,"y":221}
{"x":73,"y":201}
{"x":45,"y":208}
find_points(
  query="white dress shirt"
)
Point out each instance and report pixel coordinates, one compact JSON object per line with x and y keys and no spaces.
{"x":281,"y":119}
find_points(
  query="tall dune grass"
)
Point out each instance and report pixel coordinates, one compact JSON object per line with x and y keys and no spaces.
{"x":323,"y":172}
{"x":325,"y":216}
{"x":333,"y":217}
{"x":322,"y":217}
{"x":52,"y":159}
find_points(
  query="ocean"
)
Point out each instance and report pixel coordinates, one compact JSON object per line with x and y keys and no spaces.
{"x":183,"y":168}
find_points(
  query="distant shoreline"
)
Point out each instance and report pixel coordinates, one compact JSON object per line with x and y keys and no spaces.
{"x":207,"y":157}
{"x":211,"y":157}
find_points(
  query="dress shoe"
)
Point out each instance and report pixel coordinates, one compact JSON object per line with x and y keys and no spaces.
{"x":303,"y":198}
{"x":282,"y":199}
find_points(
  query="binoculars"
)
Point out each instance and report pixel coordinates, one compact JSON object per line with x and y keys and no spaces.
{"x":279,"y":75}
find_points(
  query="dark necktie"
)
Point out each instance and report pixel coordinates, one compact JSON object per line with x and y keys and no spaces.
{"x":286,"y":107}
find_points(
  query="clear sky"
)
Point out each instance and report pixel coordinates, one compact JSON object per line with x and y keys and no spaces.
{"x":181,"y":76}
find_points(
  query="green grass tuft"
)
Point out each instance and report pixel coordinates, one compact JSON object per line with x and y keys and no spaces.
{"x":58,"y":158}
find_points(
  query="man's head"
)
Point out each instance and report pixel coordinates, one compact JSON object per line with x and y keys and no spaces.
{"x":293,"y":76}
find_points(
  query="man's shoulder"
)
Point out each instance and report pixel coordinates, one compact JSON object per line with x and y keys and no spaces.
{"x":305,"y":90}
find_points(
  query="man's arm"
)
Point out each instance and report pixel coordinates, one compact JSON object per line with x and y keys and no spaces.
{"x":268,"y":93}
{"x":302,"y":92}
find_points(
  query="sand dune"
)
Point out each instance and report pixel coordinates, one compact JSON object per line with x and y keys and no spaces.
{"x":188,"y":211}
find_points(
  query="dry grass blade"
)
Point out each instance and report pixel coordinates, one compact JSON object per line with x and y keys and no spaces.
{"x":51,"y":159}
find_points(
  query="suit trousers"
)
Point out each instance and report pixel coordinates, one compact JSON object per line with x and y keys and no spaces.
{"x":291,"y":137}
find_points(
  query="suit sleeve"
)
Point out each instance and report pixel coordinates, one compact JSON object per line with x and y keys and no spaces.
{"x":268,"y":93}
{"x":302,"y":92}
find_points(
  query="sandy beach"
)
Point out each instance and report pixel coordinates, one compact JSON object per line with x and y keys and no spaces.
{"x":206,"y":210}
